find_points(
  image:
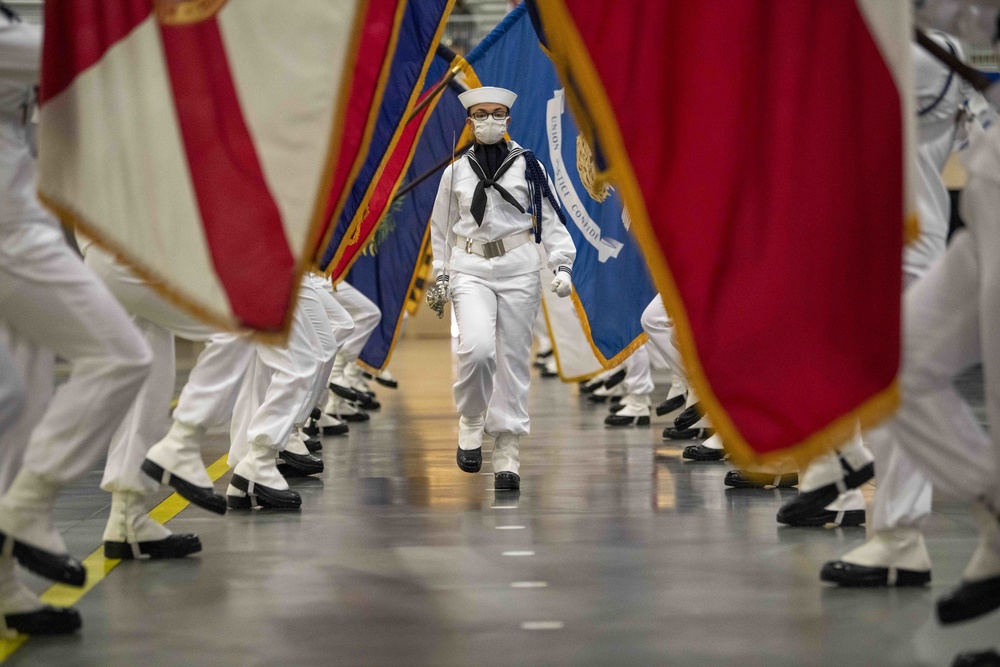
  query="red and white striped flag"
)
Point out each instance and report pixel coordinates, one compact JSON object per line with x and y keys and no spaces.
{"x":762,"y":148}
{"x":200,"y":140}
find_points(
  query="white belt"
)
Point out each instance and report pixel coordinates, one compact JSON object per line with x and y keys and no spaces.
{"x":492,"y":249}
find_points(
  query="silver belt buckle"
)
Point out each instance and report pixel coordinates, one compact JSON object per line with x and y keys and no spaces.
{"x":493,"y":249}
{"x":468,"y":245}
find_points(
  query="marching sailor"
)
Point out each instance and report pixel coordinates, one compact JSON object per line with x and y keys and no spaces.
{"x":52,"y":305}
{"x":491,"y":205}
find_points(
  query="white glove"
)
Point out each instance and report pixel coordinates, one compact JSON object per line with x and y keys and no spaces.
{"x":562,"y":284}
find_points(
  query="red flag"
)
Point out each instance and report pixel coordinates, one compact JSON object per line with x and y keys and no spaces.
{"x":760,"y":147}
{"x":200,"y":140}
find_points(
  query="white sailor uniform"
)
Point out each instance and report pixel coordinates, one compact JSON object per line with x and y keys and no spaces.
{"x":496,"y":292}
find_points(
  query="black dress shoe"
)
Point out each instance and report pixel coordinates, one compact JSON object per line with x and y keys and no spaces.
{"x":204,"y":497}
{"x":590,"y":386}
{"x":970,"y":600}
{"x":62,"y":568}
{"x":615,"y":409}
{"x":812,"y":503}
{"x":353,"y":417}
{"x":262,"y":496}
{"x":691,"y":416}
{"x":624,"y":420}
{"x":671,"y":433}
{"x":313,"y":445}
{"x":47,"y":620}
{"x":299,"y":465}
{"x":344,"y":392}
{"x":671,"y":404}
{"x":700,"y":452}
{"x":824,"y":517}
{"x":336,"y":429}
{"x":849,"y":575}
{"x":366,"y":402}
{"x":470,"y":460}
{"x":746,"y":479}
{"x":546,"y":373}
{"x":598,"y":398}
{"x":615,"y":379}
{"x":506,"y":481}
{"x":174,"y":546}
{"x":391,"y":384}
{"x":979,"y":659}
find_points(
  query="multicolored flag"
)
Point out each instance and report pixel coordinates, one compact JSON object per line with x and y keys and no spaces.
{"x":762,"y":149}
{"x":396,"y":129}
{"x":200,"y":140}
{"x":611,"y":283}
{"x":389,"y":267}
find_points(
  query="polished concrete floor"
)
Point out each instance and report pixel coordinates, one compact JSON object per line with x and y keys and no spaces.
{"x":615,"y":552}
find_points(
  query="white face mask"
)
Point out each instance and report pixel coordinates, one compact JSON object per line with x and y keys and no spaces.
{"x":489,"y":131}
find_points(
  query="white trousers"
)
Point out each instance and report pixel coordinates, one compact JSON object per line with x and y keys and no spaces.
{"x":209,"y":397}
{"x":11,"y":389}
{"x":148,"y":420}
{"x":903,"y":494}
{"x":952,"y":321}
{"x":660,"y":329}
{"x":365,"y":315}
{"x":342,"y":325}
{"x":638,"y":373}
{"x":495,"y":319}
{"x":48,"y":298}
{"x":278,"y":393}
{"x":35,"y":366}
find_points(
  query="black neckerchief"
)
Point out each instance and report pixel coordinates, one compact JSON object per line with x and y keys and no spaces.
{"x":481,"y":154}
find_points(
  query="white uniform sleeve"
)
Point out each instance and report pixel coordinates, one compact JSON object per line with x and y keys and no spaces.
{"x":441,"y":222}
{"x":556,"y":240}
{"x":20,"y":51}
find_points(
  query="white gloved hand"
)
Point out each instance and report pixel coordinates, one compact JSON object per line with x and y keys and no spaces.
{"x":562,"y":284}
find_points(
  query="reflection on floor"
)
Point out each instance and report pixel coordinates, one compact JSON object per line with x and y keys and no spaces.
{"x":614,"y":552}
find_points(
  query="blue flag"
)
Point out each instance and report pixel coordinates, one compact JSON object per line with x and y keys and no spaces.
{"x":419,"y":33}
{"x":389,"y":268}
{"x":611,"y":281}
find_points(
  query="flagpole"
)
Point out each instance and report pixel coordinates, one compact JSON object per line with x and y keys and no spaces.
{"x":430,"y":172}
{"x":438,"y":87}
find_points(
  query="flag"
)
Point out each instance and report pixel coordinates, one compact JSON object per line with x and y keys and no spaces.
{"x":611,"y":283}
{"x":200,"y":140}
{"x":762,"y":150}
{"x":380,"y":170}
{"x":393,"y":266}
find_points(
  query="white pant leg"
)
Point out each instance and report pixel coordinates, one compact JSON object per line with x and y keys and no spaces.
{"x":518,"y":300}
{"x":365,"y":315}
{"x":475,"y":306}
{"x":48,"y":297}
{"x":638,"y":373}
{"x":148,"y":420}
{"x":11,"y":389}
{"x":322,"y":310}
{"x":267,"y":416}
{"x":660,"y":329}
{"x":903,"y":494}
{"x":36,"y":366}
{"x":209,"y":397}
{"x":942,"y":338}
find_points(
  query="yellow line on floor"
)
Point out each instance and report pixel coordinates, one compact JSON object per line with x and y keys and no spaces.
{"x":97,"y":566}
